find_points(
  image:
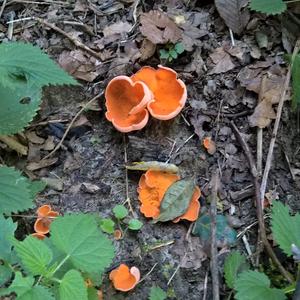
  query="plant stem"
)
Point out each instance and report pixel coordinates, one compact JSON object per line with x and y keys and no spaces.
{"x":60,"y":264}
{"x":291,"y":1}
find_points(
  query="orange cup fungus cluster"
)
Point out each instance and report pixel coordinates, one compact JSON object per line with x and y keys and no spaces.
{"x":129,"y":100}
{"x":45,"y":216}
{"x":152,"y":188}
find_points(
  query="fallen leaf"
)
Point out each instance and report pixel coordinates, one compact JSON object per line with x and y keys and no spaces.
{"x":147,"y":49}
{"x":33,"y":138}
{"x":233,"y":14}
{"x":32,"y":166}
{"x":117,"y":28}
{"x":222,"y":61}
{"x":157,"y":27}
{"x":90,"y":187}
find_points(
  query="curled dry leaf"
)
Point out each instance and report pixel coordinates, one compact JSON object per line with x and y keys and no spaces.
{"x":117,"y":28}
{"x":147,"y":49}
{"x":157,"y":27}
{"x":263,"y":114}
{"x":222,"y":61}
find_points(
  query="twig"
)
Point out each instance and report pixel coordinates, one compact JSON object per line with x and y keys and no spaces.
{"x":70,"y":126}
{"x":259,"y":209}
{"x":148,"y":274}
{"x":14,"y":144}
{"x":2,"y":7}
{"x":276,"y":125}
{"x":213,"y":249}
{"x":232,"y":37}
{"x":176,"y":270}
{"x":248,"y":249}
{"x":205,"y":286}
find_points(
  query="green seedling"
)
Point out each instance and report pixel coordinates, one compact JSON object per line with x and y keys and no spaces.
{"x":171,"y":52}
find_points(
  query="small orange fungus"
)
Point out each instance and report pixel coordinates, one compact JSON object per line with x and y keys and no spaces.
{"x":209,"y":145}
{"x":45,"y":217}
{"x":123,"y":278}
{"x":117,"y":234}
{"x":152,"y":188}
{"x":39,"y":236}
{"x":169,"y":92}
{"x":126,"y":103}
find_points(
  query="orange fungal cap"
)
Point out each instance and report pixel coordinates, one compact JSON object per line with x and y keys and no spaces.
{"x":39,"y":236}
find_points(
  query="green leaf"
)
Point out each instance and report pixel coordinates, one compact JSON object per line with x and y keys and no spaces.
{"x":252,"y":285}
{"x":173,"y":53}
{"x":92,"y":293}
{"x":79,"y":238}
{"x":176,"y":200}
{"x":235,"y":263}
{"x":156,"y":293}
{"x":36,"y":187}
{"x":34,"y":254}
{"x":73,"y":287}
{"x":296,"y":82}
{"x":269,"y":7}
{"x":21,"y":62}
{"x":179,"y":48}
{"x":14,"y":191}
{"x":5,"y":274}
{"x":135,"y":224}
{"x":120,"y":211}
{"x":225,"y":234}
{"x":163,"y":54}
{"x":7,"y":231}
{"x":107,"y":225}
{"x":285,"y":228}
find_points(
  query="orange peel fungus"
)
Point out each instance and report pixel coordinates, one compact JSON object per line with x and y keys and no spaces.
{"x":126,"y":103}
{"x":169,"y":92}
{"x":125,"y":279}
{"x":152,"y":188}
{"x":44,"y":219}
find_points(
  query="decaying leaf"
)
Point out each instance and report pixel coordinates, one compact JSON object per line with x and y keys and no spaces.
{"x":117,"y":28}
{"x":233,"y":14}
{"x":222,"y":61}
{"x":147,"y":49}
{"x":153,"y":165}
{"x":263,"y":114}
{"x":157,"y":27}
{"x":176,"y":200}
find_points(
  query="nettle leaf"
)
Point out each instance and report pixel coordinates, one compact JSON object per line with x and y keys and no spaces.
{"x":235,"y":263}
{"x":26,"y":63}
{"x":73,"y":287}
{"x":120,"y":211}
{"x":179,"y":48}
{"x":79,"y":238}
{"x":36,"y":187}
{"x":269,"y":7}
{"x":7,"y":231}
{"x":176,"y":200}
{"x":14,"y":191}
{"x":156,"y":293}
{"x":163,"y":54}
{"x":285,"y":228}
{"x":135,"y":224}
{"x":34,"y":254}
{"x":225,"y":234}
{"x":5,"y":274}
{"x":107,"y":225}
{"x":252,"y":285}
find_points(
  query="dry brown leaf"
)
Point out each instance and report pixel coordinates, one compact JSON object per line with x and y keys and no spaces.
{"x":117,"y":28}
{"x":263,"y":114}
{"x":147,"y":49}
{"x":33,"y":138}
{"x":222,"y":61}
{"x":157,"y":27}
{"x":32,"y":166}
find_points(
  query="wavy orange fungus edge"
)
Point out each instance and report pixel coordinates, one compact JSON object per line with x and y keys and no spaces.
{"x":44,"y":219}
{"x":39,"y":236}
{"x":126,"y":103}
{"x":152,"y":188}
{"x":169,"y":92}
{"x":125,"y":279}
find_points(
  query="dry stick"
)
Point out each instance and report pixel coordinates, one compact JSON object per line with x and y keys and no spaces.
{"x":14,"y":144}
{"x":75,"y":41}
{"x":70,"y":126}
{"x":259,"y":209}
{"x":276,"y":126}
{"x":213,"y":249}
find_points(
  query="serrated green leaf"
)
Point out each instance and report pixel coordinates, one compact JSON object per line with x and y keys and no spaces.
{"x":252,"y":285}
{"x":36,"y":187}
{"x":34,"y":254}
{"x":92,"y":293}
{"x":235,"y":263}
{"x":120,"y":211}
{"x":5,"y":274}
{"x":173,"y":53}
{"x":79,"y":238}
{"x":156,"y":293}
{"x":26,"y":63}
{"x":72,"y":286}
{"x":135,"y":224}
{"x":107,"y":225}
{"x":163,"y":54}
{"x":269,"y":7}
{"x":176,"y":200}
{"x":14,"y":191}
{"x":179,"y":48}
{"x":225,"y":234}
{"x":285,"y":228}
{"x":7,"y":231}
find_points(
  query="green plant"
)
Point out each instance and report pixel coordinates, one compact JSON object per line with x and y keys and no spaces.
{"x":56,"y":267}
{"x":253,"y":285}
{"x":156,"y":293}
{"x":171,"y":52}
{"x":269,"y":7}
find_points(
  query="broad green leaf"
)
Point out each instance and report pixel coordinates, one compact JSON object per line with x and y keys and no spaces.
{"x":79,"y":238}
{"x":120,"y":211}
{"x":72,"y":287}
{"x":163,"y":54}
{"x":296,"y":82}
{"x":18,"y":107}
{"x":156,"y":293}
{"x":235,"y":263}
{"x":14,"y":191}
{"x":92,"y":293}
{"x":225,"y":234}
{"x":34,"y":254}
{"x":173,"y":53}
{"x":252,"y":285}
{"x":269,"y":7}
{"x":135,"y":224}
{"x":36,"y":187}
{"x":285,"y":228}
{"x":7,"y":231}
{"x":176,"y":200}
{"x":179,"y":48}
{"x":5,"y":274}
{"x":26,"y":63}
{"x":107,"y":225}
